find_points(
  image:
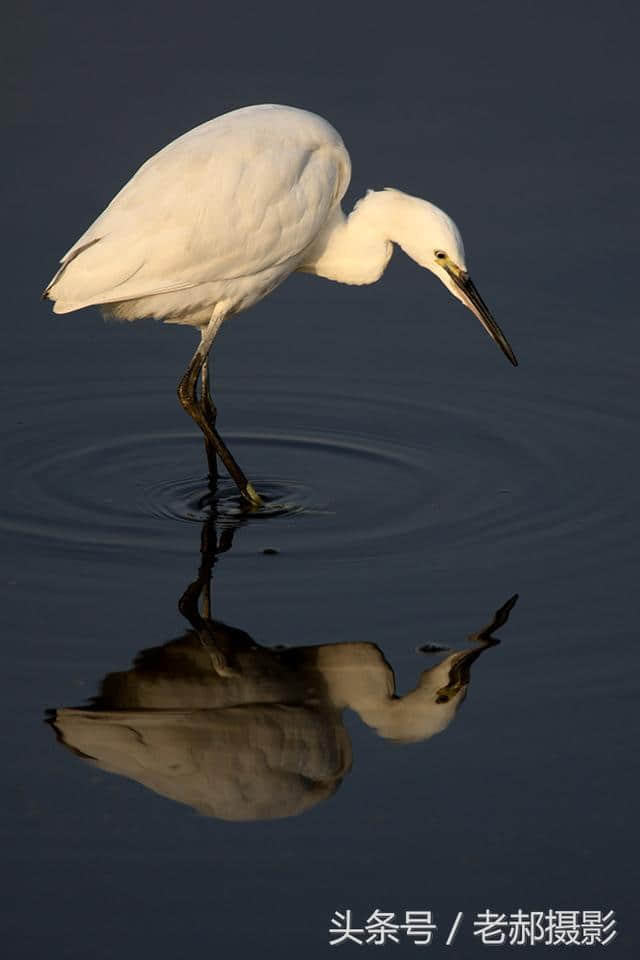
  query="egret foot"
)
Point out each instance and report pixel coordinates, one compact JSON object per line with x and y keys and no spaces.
{"x":253,"y":496}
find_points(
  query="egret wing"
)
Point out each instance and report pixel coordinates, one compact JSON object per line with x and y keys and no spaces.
{"x":239,"y":195}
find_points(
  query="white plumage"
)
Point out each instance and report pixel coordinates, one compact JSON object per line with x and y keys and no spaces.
{"x":221,"y":216}
{"x":224,"y":213}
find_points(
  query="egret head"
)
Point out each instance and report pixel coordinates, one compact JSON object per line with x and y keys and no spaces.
{"x":431,"y":238}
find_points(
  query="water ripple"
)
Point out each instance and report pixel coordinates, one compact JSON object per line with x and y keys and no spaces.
{"x":400,"y":476}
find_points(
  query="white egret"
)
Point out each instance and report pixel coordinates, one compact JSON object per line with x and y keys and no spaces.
{"x":222,"y":215}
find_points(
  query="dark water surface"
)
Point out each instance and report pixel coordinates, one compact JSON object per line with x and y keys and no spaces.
{"x":253,"y":773}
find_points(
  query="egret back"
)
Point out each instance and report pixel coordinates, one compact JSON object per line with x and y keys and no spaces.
{"x":241,"y":196}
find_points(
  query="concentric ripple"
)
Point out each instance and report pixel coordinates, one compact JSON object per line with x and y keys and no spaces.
{"x":346,"y":474}
{"x":195,"y":500}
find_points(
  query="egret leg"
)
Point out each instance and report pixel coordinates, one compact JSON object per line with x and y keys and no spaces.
{"x":188,"y":397}
{"x":209,"y":412}
{"x":195,"y":602}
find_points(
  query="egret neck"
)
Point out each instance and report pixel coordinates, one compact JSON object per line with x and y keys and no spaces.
{"x":356,"y":249}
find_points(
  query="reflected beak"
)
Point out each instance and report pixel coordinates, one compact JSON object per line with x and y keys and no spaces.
{"x":472,"y":299}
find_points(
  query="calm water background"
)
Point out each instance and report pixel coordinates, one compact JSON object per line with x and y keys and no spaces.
{"x":434,"y":480}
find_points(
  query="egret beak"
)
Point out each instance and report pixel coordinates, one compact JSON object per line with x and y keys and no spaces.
{"x":468,"y":294}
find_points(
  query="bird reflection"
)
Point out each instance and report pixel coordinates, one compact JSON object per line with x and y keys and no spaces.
{"x":241,"y":731}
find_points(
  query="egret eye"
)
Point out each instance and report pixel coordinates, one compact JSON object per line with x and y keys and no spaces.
{"x":441,"y":255}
